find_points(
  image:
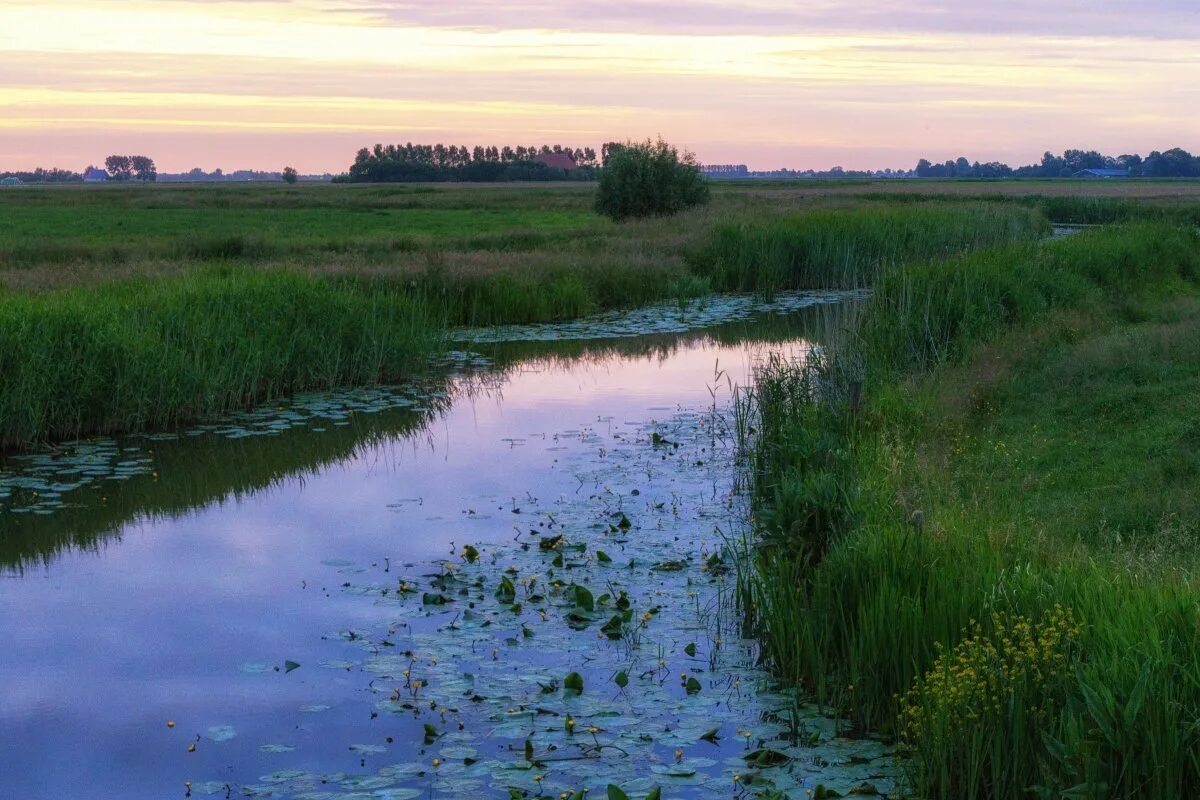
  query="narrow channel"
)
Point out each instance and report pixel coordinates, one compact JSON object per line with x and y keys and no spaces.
{"x":510,"y":579}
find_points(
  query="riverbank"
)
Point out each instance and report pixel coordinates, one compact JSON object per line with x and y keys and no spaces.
{"x":994,"y":553}
{"x":149,"y":337}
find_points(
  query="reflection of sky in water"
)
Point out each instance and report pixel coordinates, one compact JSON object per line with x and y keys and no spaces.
{"x":102,"y":648}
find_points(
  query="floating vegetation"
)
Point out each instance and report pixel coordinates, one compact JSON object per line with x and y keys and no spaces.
{"x":597,"y":648}
{"x":656,"y":319}
{"x":41,"y":482}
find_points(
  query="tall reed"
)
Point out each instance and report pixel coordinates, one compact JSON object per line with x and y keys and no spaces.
{"x":1012,"y":665}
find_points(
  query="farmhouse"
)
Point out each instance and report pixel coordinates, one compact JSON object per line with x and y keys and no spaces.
{"x":564,"y":161}
{"x":94,"y":175}
{"x":1101,"y":173}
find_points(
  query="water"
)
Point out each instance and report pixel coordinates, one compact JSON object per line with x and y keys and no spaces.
{"x":284,"y":604}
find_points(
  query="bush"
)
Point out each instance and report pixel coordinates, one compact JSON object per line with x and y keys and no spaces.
{"x":649,"y":179}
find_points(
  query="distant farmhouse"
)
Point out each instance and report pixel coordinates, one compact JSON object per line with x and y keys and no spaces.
{"x":1101,"y":173}
{"x":11,"y":181}
{"x":563,"y":161}
{"x":725,"y":170}
{"x":94,"y":175}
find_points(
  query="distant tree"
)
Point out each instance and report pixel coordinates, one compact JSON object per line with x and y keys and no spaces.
{"x":1131,"y":162}
{"x":143,"y":168}
{"x":924,"y":168}
{"x":649,"y":178}
{"x":290,"y":175}
{"x":962,"y":168}
{"x":119,"y":168}
{"x":1173,"y":163}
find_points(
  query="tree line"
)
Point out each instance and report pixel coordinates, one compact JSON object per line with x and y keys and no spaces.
{"x":124,"y":168}
{"x":439,"y":162}
{"x":1173,"y":163}
{"x":42,"y":175}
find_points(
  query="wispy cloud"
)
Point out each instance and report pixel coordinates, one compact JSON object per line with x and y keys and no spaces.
{"x":767,"y":82}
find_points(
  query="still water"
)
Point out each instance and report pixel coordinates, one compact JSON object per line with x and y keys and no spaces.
{"x":399,"y":594}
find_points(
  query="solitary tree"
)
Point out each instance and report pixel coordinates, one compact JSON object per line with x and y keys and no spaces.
{"x":645,"y":179}
{"x":143,"y":167}
{"x":290,"y":175}
{"x":119,"y":167}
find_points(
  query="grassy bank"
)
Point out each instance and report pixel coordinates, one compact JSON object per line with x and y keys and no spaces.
{"x":994,"y":557}
{"x":141,"y":343}
{"x":148,"y":355}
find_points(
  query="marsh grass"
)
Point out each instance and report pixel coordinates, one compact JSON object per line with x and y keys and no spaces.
{"x":142,"y":355}
{"x":985,"y":516}
{"x":156,"y":307}
{"x":845,"y":248}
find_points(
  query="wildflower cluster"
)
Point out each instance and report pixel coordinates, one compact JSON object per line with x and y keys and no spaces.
{"x":1000,"y":685}
{"x":987,"y":672}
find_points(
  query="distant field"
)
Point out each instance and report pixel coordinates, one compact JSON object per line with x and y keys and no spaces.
{"x":1178,"y":190}
{"x":82,"y":224}
{"x":55,"y":237}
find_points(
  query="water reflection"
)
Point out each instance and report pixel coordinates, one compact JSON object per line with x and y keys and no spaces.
{"x":168,"y":475}
{"x":182,"y":592}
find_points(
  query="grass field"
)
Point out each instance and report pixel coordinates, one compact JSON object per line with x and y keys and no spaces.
{"x":994,"y":559}
{"x":99,"y":274}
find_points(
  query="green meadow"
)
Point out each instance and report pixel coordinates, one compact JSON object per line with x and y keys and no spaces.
{"x":975,"y":505}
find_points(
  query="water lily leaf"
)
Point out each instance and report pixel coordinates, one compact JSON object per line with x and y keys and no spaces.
{"x":603,"y":557}
{"x":692,"y":686}
{"x":621,"y":679}
{"x":583,"y":598}
{"x":690,"y":649}
{"x":573,"y":683}
{"x":614,"y":627}
{"x":288,"y":666}
{"x":674,"y":770}
{"x":766,"y":757}
{"x":507,"y":591}
{"x":615,"y":793}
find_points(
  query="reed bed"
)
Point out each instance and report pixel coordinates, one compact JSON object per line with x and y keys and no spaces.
{"x":919,"y":576}
{"x":152,"y":355}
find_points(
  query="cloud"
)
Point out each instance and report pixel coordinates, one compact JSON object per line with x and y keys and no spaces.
{"x":1168,"y":19}
{"x":768,"y":83}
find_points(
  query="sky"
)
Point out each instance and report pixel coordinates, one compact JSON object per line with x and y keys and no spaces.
{"x":769,"y":83}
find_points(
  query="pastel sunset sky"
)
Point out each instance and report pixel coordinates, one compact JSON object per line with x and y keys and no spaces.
{"x":800,"y":83}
